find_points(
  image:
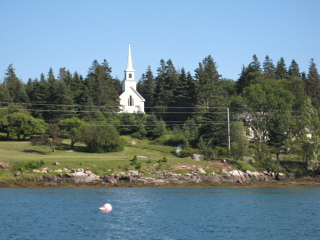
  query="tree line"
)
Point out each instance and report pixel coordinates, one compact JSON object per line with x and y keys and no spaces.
{"x":276,"y":105}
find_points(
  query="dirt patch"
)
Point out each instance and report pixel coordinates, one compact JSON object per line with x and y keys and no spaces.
{"x":186,"y":167}
{"x":4,"y":165}
{"x":220,"y":164}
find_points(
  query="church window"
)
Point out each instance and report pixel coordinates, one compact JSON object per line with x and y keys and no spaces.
{"x":130,"y":101}
{"x":130,"y":75}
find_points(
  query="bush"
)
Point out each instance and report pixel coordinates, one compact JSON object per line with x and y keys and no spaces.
{"x":187,"y":152}
{"x":101,"y":138}
{"x":266,"y":164}
{"x":27,"y":165}
{"x":176,"y":140}
{"x":135,"y":163}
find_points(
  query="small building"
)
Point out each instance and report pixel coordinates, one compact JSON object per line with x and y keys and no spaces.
{"x":130,"y":100}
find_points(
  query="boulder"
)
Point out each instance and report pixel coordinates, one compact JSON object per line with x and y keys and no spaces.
{"x":197,"y":157}
{"x":201,"y":171}
{"x":280,"y":176}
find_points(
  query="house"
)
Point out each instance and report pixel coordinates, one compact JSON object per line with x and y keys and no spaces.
{"x":130,"y":100}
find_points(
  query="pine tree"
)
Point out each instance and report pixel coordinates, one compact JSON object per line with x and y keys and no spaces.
{"x":182,"y":103}
{"x":146,"y":87}
{"x":249,"y":75}
{"x":103,"y":89}
{"x":207,"y":84}
{"x":281,"y":70}
{"x":268,"y":68}
{"x":15,"y":87}
{"x":294,"y":71}
{"x":165,"y":83}
{"x":312,"y":84}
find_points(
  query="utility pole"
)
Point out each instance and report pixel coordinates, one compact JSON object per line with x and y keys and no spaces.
{"x":229,"y":147}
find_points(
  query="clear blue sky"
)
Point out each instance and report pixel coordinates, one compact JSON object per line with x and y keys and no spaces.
{"x":39,"y":34}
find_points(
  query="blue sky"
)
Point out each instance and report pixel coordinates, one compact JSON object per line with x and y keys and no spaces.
{"x":39,"y":34}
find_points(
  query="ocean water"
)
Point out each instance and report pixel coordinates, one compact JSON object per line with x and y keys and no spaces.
{"x":161,"y":213}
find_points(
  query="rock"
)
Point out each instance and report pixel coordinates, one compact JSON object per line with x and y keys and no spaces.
{"x":225,"y":172}
{"x":56,"y":163}
{"x":133,"y":143}
{"x":142,"y":157}
{"x":280,"y":176}
{"x":88,"y":172}
{"x":109,"y":179}
{"x":58,"y":170}
{"x":36,"y":171}
{"x":17,"y":174}
{"x":197,"y":157}
{"x":134,"y":173}
{"x":201,"y":171}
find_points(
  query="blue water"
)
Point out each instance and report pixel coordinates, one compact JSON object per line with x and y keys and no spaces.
{"x":161,"y":213}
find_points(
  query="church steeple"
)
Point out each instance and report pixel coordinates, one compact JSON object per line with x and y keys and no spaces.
{"x":129,"y":72}
{"x":129,"y":63}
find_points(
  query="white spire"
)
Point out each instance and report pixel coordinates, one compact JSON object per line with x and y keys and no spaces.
{"x":129,"y":63}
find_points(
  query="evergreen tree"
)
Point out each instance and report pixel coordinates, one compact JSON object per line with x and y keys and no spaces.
{"x":249,"y":75}
{"x":103,"y":90}
{"x":165,"y":83}
{"x":281,"y":70}
{"x":51,"y":114}
{"x":182,"y":101}
{"x":312,"y":84}
{"x":64,"y":101}
{"x":15,"y":87}
{"x":294,"y":70}
{"x":207,"y":84}
{"x":268,"y":68}
{"x":146,"y":87}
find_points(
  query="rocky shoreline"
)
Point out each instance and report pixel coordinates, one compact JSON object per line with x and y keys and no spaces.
{"x":85,"y":178}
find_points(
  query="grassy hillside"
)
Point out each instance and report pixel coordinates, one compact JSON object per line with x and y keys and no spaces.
{"x":149,"y":156}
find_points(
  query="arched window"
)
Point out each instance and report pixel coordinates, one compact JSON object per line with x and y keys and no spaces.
{"x":130,"y":101}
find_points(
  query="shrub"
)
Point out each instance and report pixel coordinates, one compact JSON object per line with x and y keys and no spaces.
{"x":27,"y":165}
{"x":176,"y":140}
{"x":103,"y":138}
{"x":187,"y":152}
{"x":164,"y":159}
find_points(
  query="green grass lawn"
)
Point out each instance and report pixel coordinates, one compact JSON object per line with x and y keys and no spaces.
{"x":99,"y":163}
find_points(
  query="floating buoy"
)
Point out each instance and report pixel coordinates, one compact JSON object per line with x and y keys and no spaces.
{"x":106,"y":208}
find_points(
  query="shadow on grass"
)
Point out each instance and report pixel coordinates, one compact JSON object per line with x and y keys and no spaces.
{"x":67,"y":148}
{"x":34,"y":151}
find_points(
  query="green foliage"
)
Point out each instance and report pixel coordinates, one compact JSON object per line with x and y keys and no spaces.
{"x":239,"y":142}
{"x":70,"y":128}
{"x":27,"y":165}
{"x":164,"y":159}
{"x":220,"y":151}
{"x":266,"y":164}
{"x":51,"y":137}
{"x":187,"y":152}
{"x":101,"y":138}
{"x":135,"y":163}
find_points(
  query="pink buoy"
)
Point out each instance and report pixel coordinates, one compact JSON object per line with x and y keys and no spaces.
{"x":106,"y":208}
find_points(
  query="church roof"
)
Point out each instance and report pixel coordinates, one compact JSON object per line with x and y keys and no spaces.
{"x":138,"y":94}
{"x":135,"y":92}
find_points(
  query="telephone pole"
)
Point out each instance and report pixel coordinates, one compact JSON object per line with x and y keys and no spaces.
{"x":229,"y":147}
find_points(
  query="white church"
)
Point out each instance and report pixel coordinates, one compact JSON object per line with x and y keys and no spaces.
{"x":130,"y":100}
